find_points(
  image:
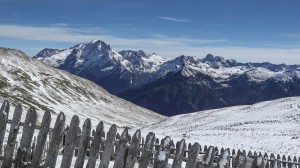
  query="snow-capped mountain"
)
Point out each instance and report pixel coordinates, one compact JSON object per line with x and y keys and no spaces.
{"x":30,"y":82}
{"x":98,"y":62}
{"x":271,"y":126}
{"x":180,"y":85}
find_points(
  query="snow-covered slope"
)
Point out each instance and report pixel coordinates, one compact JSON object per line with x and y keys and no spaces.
{"x":271,"y":126}
{"x":31,"y":82}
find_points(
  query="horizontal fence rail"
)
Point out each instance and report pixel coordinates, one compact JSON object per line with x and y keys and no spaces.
{"x":93,"y":147}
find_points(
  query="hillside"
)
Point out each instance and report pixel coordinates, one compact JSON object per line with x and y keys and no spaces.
{"x":271,"y":126}
{"x":31,"y":82}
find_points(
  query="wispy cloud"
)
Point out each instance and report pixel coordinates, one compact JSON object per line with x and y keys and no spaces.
{"x":179,"y":20}
{"x":295,"y":36}
{"x":161,"y":44}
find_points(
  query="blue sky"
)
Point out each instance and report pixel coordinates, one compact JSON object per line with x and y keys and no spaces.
{"x":248,"y":31}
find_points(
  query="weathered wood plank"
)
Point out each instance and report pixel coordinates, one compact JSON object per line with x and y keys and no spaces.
{"x":85,"y":137}
{"x":162,"y":155}
{"x":70,"y":142}
{"x":147,"y":151}
{"x":3,"y":120}
{"x":14,"y":129}
{"x":95,"y":146}
{"x":28,"y":130}
{"x":177,"y":162}
{"x":120,"y":159}
{"x":259,"y":162}
{"x":209,"y":157}
{"x":133,"y":149}
{"x":41,"y":139}
{"x":224,"y":161}
{"x":278,"y":161}
{"x":272,"y":161}
{"x":109,"y":147}
{"x":57,"y":133}
{"x":240,"y":160}
{"x":193,"y":156}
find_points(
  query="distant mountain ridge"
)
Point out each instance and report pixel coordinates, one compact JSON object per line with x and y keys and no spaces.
{"x":174,"y":86}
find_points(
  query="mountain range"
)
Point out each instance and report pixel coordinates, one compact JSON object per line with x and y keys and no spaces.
{"x":32,"y":83}
{"x":174,"y":86}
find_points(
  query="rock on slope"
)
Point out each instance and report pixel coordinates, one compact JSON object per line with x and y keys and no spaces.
{"x":271,"y":126}
{"x":31,"y":82}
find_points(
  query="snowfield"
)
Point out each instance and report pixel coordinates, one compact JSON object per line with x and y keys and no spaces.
{"x":271,"y":126}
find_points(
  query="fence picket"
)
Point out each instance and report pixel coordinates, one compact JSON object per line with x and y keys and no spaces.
{"x":86,"y":132}
{"x":3,"y":120}
{"x":240,"y":160}
{"x":95,"y":146}
{"x":209,"y":157}
{"x":162,"y":155}
{"x":133,"y":150}
{"x":272,"y":161}
{"x":28,"y":130}
{"x":109,"y":147}
{"x":177,"y":162}
{"x":224,"y":161}
{"x":193,"y":156}
{"x":71,"y":136}
{"x":278,"y":161}
{"x":14,"y":129}
{"x":56,"y":138}
{"x":147,"y":151}
{"x":120,"y":158}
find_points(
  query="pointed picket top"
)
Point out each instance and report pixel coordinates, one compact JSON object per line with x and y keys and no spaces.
{"x":14,"y":129}
{"x":133,"y":149}
{"x":209,"y":156}
{"x":224,"y":160}
{"x":240,"y":160}
{"x":95,"y":146}
{"x":272,"y":161}
{"x":3,"y":120}
{"x":56,"y":138}
{"x":70,"y":142}
{"x":205,"y":148}
{"x":250,"y":154}
{"x":120,"y":158}
{"x":147,"y":151}
{"x":193,"y":156}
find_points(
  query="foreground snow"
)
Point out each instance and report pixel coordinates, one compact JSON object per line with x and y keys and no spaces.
{"x":271,"y":127}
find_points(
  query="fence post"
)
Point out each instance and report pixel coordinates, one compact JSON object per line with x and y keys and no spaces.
{"x":55,"y":141}
{"x":3,"y":120}
{"x":95,"y":146}
{"x":193,"y":156}
{"x":14,"y":129}
{"x":120,"y":159}
{"x":109,"y":146}
{"x":85,"y":137}
{"x":162,"y":155}
{"x":41,"y":139}
{"x":224,"y":160}
{"x":240,"y":160}
{"x":133,"y":150}
{"x":28,"y":130}
{"x":147,"y":151}
{"x":70,"y":142}
{"x":209,"y":157}
{"x":179,"y":154}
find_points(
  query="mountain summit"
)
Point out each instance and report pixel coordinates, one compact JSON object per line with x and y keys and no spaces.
{"x":180,"y":85}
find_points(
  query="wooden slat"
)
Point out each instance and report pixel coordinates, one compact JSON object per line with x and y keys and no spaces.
{"x":95,"y":146}
{"x":120,"y":159}
{"x":224,"y":161}
{"x":147,"y":151}
{"x":109,"y":147}
{"x":56,"y":138}
{"x":28,"y":130}
{"x":3,"y":120}
{"x":177,"y":161}
{"x":86,"y":132}
{"x":209,"y":157}
{"x":240,"y":160}
{"x":272,"y":161}
{"x":162,"y":156}
{"x":193,"y":156}
{"x":14,"y":129}
{"x":70,"y":141}
{"x":133,"y":150}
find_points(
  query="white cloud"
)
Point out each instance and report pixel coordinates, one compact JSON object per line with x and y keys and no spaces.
{"x":160,"y":44}
{"x":174,"y":19}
